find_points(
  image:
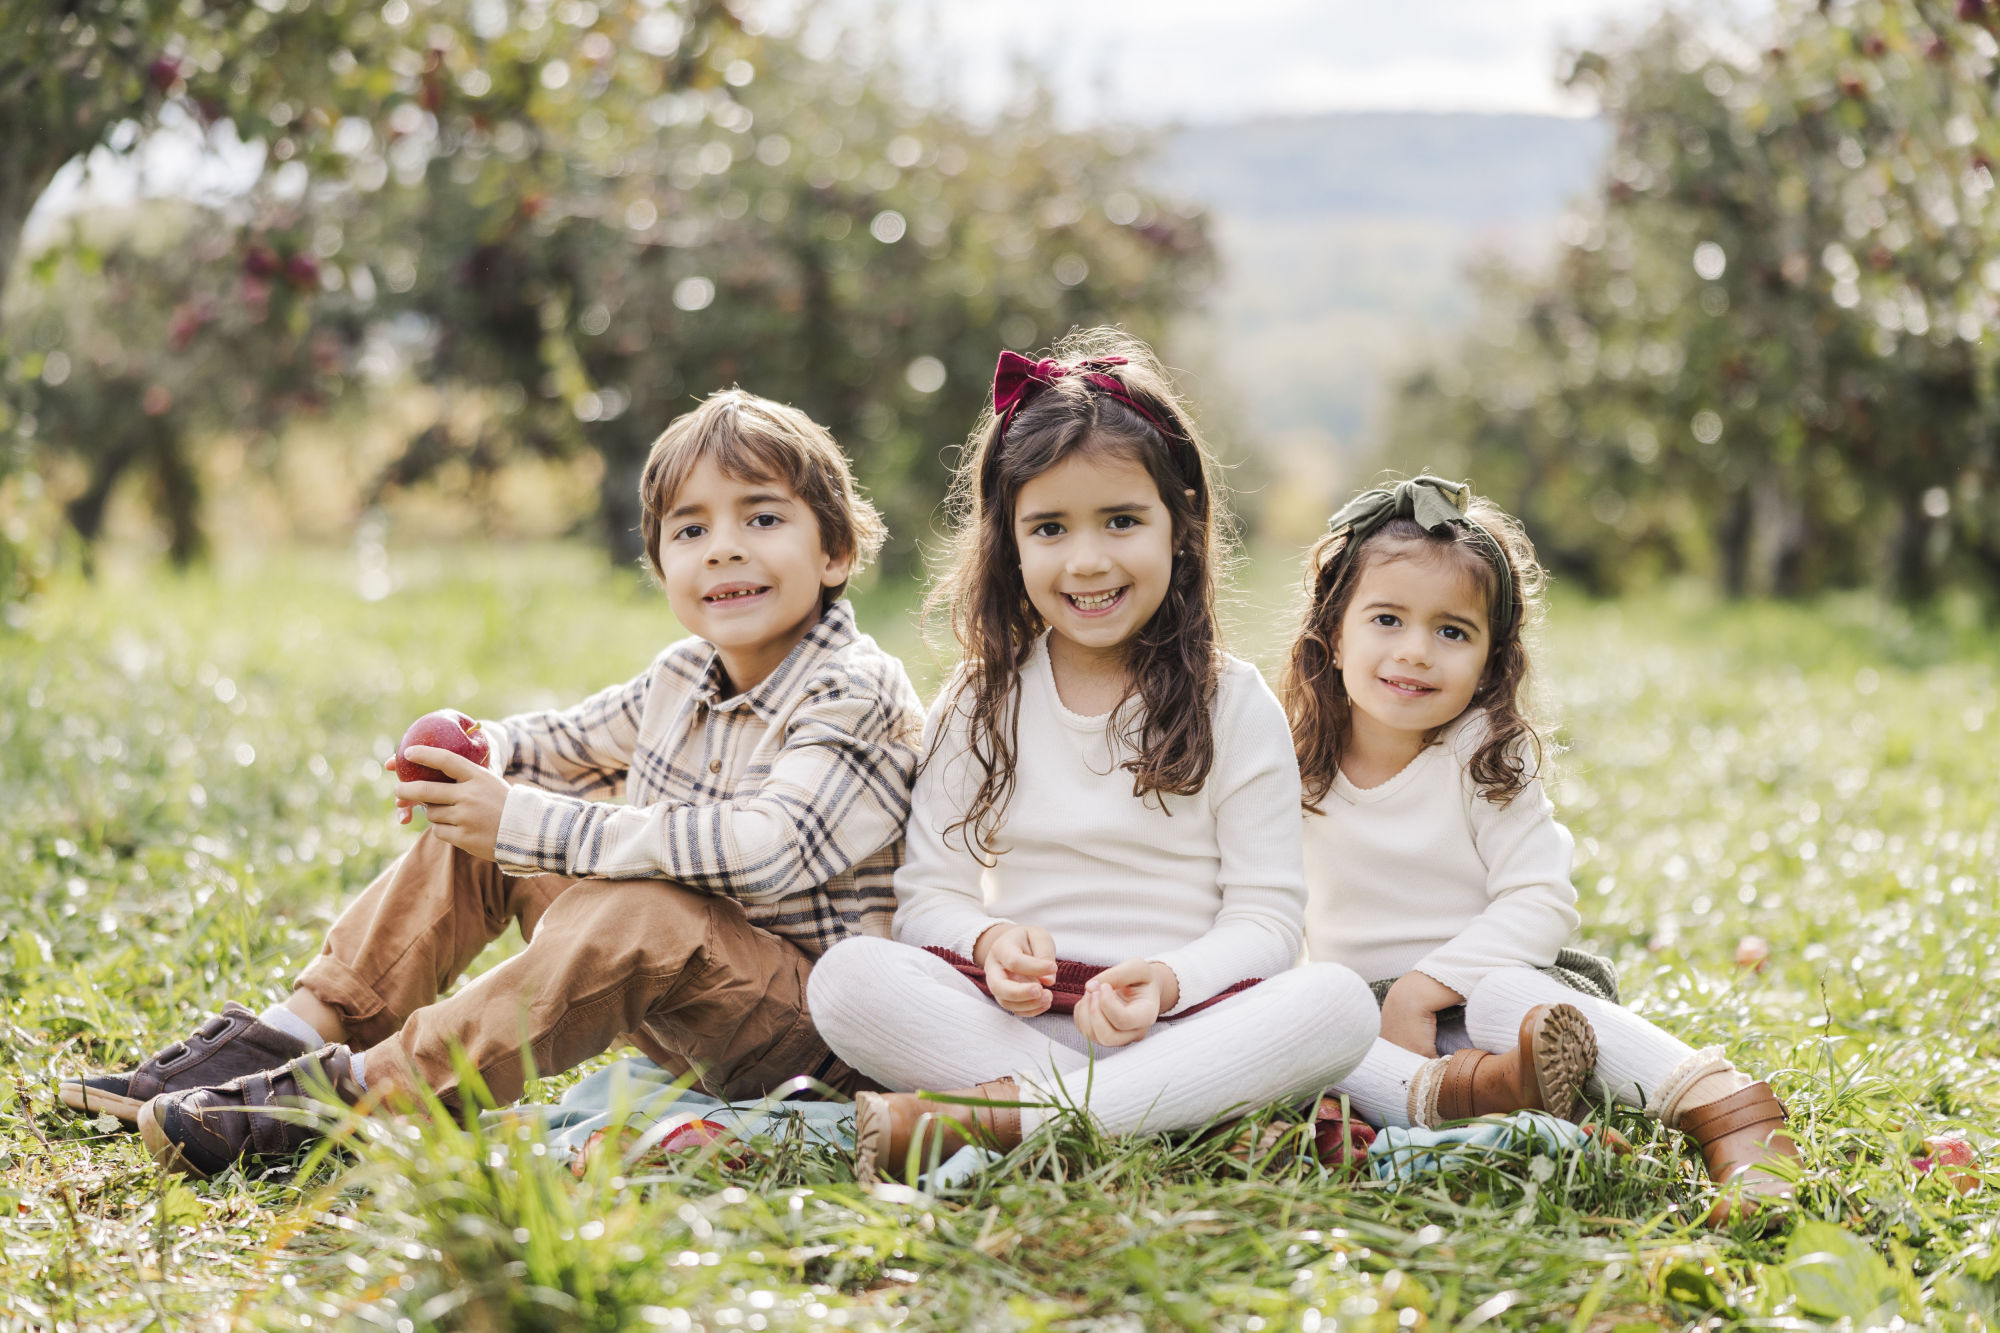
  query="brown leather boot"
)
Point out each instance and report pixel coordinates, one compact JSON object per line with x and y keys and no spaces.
{"x":1545,"y":1072}
{"x":887,"y":1124}
{"x":1737,"y":1136}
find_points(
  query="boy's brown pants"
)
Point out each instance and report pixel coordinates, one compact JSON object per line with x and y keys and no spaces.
{"x":683,"y":976}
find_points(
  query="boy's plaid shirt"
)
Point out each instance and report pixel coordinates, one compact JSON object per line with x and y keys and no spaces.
{"x":790,"y":798}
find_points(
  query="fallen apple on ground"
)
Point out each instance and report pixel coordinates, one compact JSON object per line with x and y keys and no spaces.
{"x":1957,"y":1158}
{"x":445,"y":729}
{"x":691,"y":1137}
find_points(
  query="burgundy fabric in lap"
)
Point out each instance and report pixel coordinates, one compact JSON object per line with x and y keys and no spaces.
{"x":1068,"y":987}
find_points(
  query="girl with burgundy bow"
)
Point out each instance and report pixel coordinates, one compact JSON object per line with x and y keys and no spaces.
{"x":1104,"y":848}
{"x":1436,"y":866}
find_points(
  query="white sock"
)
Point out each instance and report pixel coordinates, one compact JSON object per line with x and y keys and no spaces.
{"x":1379,"y":1087}
{"x":291,"y":1024}
{"x":354,"y":1066}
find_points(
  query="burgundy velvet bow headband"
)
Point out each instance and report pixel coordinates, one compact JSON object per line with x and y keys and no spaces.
{"x":1016,"y":379}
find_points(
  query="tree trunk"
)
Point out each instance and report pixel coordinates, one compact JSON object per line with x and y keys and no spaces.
{"x":179,"y":496}
{"x":1732,"y":541}
{"x":86,"y":511}
{"x":618,"y":505}
{"x":1909,"y":563}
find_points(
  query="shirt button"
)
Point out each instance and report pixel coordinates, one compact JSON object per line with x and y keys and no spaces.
{"x":715,"y":765}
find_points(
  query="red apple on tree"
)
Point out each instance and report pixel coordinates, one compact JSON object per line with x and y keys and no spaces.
{"x":446,"y":729}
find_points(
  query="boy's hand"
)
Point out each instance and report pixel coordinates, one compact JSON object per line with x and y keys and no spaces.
{"x":1020,"y":962}
{"x":1121,"y":1003}
{"x":465,"y":812}
{"x":1410,"y":1010}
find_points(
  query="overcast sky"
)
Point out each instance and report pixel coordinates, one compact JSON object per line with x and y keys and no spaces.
{"x":1197,"y":60}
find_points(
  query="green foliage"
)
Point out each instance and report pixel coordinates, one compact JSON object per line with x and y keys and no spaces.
{"x":190,"y":786}
{"x":1766,"y":350}
{"x":572,"y":220}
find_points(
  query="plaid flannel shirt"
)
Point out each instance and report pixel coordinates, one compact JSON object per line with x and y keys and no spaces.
{"x":790,"y":798}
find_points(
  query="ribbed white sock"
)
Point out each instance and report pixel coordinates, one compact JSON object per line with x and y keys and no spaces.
{"x":1379,"y":1087}
{"x":286,"y":1021}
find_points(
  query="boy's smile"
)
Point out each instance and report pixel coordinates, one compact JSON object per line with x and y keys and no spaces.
{"x":744,"y":568}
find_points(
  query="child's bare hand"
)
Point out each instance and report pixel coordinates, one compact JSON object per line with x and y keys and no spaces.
{"x":1121,"y":1003}
{"x":1410,"y":1010}
{"x":1020,"y":963}
{"x":464,"y":812}
{"x":404,"y":808}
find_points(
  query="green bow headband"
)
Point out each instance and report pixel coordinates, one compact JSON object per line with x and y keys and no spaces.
{"x":1432,"y":503}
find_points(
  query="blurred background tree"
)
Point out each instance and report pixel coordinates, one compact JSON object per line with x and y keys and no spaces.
{"x":1765,"y":350}
{"x":536,"y":234}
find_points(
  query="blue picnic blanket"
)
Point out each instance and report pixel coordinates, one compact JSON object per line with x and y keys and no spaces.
{"x":650,"y":1103}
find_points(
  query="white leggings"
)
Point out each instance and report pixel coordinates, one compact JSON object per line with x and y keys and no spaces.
{"x":907,"y":1020}
{"x":1634,"y":1058}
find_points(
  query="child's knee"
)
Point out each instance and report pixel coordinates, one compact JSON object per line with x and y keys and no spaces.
{"x":1503,"y":997}
{"x":847,"y":978}
{"x":1344,"y":1014}
{"x":651,"y":924}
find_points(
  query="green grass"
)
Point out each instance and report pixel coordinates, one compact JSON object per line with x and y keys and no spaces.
{"x":189,"y":786}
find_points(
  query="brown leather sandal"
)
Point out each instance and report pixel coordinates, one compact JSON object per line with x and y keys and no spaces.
{"x":1545,"y":1072}
{"x":1737,"y":1136}
{"x":886,"y":1124}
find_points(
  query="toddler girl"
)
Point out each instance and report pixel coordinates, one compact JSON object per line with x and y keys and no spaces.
{"x":1434,"y":860}
{"x":1102,"y":786}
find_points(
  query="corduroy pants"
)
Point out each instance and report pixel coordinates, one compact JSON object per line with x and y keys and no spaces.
{"x":684,"y":976}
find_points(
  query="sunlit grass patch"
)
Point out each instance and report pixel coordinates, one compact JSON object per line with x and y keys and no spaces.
{"x":190,"y":785}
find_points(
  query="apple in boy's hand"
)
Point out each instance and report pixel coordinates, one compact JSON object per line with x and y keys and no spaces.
{"x":1952,"y":1153}
{"x":447,"y":729}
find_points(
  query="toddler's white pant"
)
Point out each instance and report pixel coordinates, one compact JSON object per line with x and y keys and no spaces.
{"x":909,"y":1021}
{"x":1634,"y":1058}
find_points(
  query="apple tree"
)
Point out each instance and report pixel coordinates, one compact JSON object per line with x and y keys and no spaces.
{"x":1765,"y":347}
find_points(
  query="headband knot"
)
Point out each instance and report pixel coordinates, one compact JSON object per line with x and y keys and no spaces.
{"x":1017,"y":379}
{"x":1433,"y":504}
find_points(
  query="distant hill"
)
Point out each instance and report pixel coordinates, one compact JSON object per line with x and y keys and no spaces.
{"x":1345,"y":241}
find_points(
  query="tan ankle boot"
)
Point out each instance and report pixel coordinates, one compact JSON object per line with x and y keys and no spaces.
{"x":1545,"y":1072}
{"x":1737,"y":1136}
{"x":887,"y":1124}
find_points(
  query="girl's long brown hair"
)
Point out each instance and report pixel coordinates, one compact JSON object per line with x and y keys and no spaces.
{"x":1173,"y":661}
{"x":1316,"y":698}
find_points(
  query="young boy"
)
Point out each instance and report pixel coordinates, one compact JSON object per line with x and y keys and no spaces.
{"x":766,"y":767}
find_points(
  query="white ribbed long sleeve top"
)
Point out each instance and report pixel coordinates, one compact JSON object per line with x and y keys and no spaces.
{"x":1423,"y":874}
{"x":1211,"y":885}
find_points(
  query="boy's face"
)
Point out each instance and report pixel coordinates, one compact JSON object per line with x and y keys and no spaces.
{"x":745,"y":568}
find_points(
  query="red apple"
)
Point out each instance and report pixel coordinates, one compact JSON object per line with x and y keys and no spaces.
{"x":1950,"y":1151}
{"x":1340,"y":1141}
{"x":164,"y":73}
{"x":446,"y":729}
{"x":691,"y":1137}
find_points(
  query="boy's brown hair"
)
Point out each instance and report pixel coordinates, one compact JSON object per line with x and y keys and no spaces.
{"x":754,"y":439}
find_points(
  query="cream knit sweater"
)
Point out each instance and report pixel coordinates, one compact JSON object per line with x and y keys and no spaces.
{"x":1209,"y":884}
{"x":1424,"y":874}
